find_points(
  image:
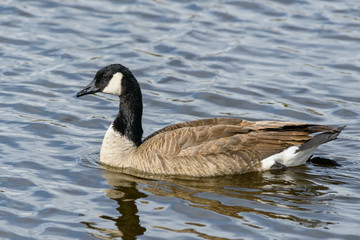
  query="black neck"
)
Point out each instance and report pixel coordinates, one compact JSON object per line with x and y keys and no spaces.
{"x":128,"y":120}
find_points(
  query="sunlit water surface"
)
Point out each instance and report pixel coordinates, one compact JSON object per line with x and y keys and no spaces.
{"x":278,"y":60}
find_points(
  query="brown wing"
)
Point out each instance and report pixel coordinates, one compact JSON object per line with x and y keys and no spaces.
{"x":220,"y":135}
{"x":198,"y":123}
{"x":220,"y":146}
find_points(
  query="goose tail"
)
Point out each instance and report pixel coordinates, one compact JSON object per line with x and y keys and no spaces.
{"x":297,"y":155}
{"x":321,"y":138}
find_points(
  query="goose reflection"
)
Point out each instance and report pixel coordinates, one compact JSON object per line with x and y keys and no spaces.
{"x":125,"y":193}
{"x":270,"y":195}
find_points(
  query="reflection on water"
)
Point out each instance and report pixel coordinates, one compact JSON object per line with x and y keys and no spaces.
{"x":127,"y":222}
{"x":249,"y":197}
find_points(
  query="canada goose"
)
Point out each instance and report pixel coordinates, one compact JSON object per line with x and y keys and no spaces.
{"x":207,"y":147}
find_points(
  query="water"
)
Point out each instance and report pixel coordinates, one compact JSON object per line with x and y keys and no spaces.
{"x":279,"y":60}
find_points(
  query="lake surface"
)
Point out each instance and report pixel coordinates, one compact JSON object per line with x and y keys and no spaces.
{"x":258,"y":60}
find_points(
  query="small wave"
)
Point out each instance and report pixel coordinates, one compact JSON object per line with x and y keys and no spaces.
{"x":88,"y":157}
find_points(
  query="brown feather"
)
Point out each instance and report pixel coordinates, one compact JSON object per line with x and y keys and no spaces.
{"x":220,"y":146}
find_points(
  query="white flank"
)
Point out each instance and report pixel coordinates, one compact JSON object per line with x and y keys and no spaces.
{"x":289,"y":157}
{"x":115,"y":148}
{"x":114,"y":85}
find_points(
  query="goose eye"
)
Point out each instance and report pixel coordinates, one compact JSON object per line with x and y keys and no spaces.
{"x":106,"y":76}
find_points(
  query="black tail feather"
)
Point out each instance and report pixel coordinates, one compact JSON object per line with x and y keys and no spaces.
{"x":321,"y":138}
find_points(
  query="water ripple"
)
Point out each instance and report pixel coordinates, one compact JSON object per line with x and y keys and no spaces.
{"x":273,"y":60}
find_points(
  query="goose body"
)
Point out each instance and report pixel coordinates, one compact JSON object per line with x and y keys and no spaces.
{"x":207,"y":147}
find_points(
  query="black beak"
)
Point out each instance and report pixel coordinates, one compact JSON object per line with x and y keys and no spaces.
{"x":91,"y":88}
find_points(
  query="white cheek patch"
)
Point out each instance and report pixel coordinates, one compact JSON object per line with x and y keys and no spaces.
{"x":114,"y":85}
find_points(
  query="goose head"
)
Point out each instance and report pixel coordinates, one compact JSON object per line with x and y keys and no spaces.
{"x":118,"y":80}
{"x":113,"y":79}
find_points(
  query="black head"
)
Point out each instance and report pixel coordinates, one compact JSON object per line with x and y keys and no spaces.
{"x":109,"y":79}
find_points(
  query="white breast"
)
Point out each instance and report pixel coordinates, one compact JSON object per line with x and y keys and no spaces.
{"x":115,"y":148}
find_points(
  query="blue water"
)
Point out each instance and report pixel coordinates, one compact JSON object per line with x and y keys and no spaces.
{"x":273,"y":60}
